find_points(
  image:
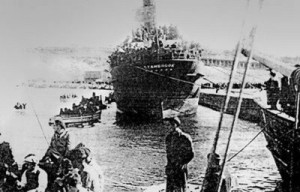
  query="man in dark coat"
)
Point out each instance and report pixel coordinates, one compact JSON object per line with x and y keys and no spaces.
{"x":58,"y":149}
{"x":273,"y":90}
{"x":60,"y":142}
{"x":179,"y":153}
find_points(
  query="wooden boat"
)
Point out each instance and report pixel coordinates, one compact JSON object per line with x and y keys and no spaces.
{"x":78,"y":120}
{"x":280,"y":127}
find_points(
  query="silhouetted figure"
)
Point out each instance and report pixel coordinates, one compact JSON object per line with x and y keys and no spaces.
{"x":273,"y":91}
{"x":179,"y":154}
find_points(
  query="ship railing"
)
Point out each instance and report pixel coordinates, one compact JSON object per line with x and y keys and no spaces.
{"x":184,"y":54}
{"x":144,"y":56}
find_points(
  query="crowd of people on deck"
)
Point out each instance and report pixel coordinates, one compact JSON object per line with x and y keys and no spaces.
{"x":60,"y":170}
{"x":20,"y":105}
{"x":151,"y":44}
{"x":86,"y":106}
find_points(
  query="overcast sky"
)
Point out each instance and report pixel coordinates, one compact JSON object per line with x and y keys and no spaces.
{"x":216,"y":24}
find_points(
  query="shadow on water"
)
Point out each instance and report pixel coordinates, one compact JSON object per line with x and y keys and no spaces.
{"x":133,"y":120}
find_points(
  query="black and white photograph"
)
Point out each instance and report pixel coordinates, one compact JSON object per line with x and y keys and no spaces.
{"x":149,"y":96}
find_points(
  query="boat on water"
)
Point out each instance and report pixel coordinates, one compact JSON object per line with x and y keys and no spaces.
{"x":280,"y":125}
{"x":77,"y":119}
{"x":156,"y":80}
{"x":20,"y":107}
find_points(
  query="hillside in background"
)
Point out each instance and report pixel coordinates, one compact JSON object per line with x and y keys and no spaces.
{"x":68,"y":63}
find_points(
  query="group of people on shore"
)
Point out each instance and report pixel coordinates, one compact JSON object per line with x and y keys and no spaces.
{"x":60,"y":170}
{"x":86,"y":106}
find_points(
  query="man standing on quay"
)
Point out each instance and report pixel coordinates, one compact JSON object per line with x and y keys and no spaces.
{"x":179,"y":154}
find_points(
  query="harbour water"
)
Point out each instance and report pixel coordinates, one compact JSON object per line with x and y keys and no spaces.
{"x":133,"y":155}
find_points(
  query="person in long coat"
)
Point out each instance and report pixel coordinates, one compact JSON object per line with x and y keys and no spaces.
{"x":60,"y":141}
{"x":179,"y":153}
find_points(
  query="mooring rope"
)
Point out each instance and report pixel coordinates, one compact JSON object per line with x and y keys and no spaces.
{"x":242,"y":149}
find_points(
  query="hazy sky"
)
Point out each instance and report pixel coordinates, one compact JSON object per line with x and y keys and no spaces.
{"x":216,"y":24}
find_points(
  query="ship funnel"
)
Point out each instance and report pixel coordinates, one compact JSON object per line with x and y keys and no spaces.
{"x":147,"y":15}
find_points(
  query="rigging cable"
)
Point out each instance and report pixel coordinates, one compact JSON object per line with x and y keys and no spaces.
{"x":40,"y":125}
{"x":172,"y":78}
{"x":236,"y":154}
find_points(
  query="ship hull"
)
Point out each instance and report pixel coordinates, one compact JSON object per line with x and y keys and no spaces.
{"x":152,"y":89}
{"x":278,"y":130}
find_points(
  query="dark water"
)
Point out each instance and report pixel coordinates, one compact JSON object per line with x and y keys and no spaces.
{"x":133,"y":155}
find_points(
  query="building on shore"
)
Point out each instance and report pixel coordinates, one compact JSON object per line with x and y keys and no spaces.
{"x":226,"y":61}
{"x":217,"y":69}
{"x":92,"y":76}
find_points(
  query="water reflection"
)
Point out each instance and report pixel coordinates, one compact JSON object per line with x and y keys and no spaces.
{"x":133,"y":154}
{"x":140,"y":153}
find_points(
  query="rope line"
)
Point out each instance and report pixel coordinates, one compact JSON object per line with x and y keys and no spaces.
{"x":40,"y":125}
{"x":236,"y":154}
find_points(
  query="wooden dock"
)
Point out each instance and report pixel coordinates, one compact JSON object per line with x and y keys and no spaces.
{"x":214,"y":100}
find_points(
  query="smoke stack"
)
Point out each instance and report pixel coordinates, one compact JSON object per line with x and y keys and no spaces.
{"x":149,"y":14}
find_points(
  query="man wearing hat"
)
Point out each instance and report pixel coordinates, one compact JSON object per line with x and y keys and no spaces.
{"x":179,"y":153}
{"x":34,"y":179}
{"x":273,"y":90}
{"x":60,"y":142}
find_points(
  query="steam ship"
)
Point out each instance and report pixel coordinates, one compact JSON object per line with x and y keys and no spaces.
{"x":153,"y":76}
